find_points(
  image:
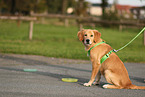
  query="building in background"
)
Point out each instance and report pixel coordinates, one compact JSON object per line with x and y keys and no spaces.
{"x":138,"y":12}
{"x":123,"y":11}
{"x":95,"y":9}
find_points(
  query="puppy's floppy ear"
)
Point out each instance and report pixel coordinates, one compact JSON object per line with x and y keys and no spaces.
{"x":81,"y":35}
{"x":97,"y":35}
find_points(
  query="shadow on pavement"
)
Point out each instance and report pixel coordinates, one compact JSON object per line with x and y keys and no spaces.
{"x":58,"y":76}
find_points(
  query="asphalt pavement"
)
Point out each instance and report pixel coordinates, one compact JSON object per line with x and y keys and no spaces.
{"x":46,"y":81}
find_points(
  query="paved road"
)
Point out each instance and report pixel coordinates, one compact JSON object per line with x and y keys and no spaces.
{"x":46,"y":82}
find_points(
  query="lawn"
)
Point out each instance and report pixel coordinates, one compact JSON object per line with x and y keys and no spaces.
{"x":62,"y":42}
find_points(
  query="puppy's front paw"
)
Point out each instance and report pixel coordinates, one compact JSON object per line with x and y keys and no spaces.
{"x":87,"y":84}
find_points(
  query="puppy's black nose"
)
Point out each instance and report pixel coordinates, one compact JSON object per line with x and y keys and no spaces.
{"x":87,"y":40}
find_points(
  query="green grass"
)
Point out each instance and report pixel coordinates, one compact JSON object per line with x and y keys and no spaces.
{"x":62,"y":42}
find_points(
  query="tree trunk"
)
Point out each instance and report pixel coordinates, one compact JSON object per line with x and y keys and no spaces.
{"x":104,"y":5}
{"x":64,"y":6}
{"x":13,"y":7}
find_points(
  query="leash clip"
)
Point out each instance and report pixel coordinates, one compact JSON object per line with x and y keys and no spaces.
{"x":114,"y":50}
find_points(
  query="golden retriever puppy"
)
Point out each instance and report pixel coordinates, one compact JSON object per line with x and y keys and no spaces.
{"x":112,"y":68}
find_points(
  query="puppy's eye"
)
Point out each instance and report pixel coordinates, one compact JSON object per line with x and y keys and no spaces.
{"x":91,"y":35}
{"x":85,"y":34}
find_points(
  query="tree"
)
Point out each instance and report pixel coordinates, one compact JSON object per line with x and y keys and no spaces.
{"x":13,"y":2}
{"x":81,"y":8}
{"x":23,"y":6}
{"x":39,"y":6}
{"x":54,"y":6}
{"x":51,"y":6}
{"x":64,"y":6}
{"x":19,"y":6}
{"x":104,"y":5}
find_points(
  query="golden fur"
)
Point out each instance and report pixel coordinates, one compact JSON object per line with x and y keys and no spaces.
{"x":112,"y":69}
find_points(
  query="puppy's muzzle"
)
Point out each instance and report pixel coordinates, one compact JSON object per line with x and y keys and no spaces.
{"x":87,"y":41}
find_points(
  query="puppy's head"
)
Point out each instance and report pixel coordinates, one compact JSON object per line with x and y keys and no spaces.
{"x":88,"y":36}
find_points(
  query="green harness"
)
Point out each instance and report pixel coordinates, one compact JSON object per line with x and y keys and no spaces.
{"x":105,"y":56}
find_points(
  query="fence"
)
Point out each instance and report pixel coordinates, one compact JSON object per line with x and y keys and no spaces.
{"x":65,"y":17}
{"x":121,"y":23}
{"x":92,"y":20}
{"x":80,"y":21}
{"x":22,"y":18}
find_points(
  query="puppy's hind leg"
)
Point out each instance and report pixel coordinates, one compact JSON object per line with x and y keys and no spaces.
{"x":98,"y":77}
{"x":112,"y":79}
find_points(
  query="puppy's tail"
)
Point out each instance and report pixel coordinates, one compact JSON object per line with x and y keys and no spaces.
{"x":136,"y":87}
